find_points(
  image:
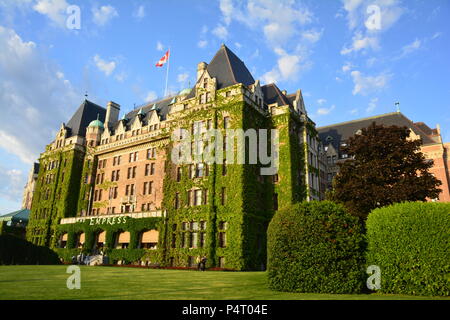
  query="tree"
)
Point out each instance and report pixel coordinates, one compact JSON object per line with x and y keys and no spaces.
{"x":384,"y":167}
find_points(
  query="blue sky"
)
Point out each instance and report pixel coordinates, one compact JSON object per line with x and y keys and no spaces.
{"x":347,"y":66}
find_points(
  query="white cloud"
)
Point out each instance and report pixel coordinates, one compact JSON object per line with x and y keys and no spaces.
{"x":55,"y":10}
{"x":436,"y":35}
{"x":140,"y":12}
{"x":238,"y":45}
{"x":121,"y":77}
{"x":150,"y":96}
{"x":220,"y":32}
{"x":12,"y":182}
{"x":366,"y":84}
{"x":347,"y":67}
{"x":357,"y":15}
{"x":312,"y":35}
{"x":372,"y":105}
{"x":202,"y":44}
{"x":33,"y":103}
{"x":415,"y":45}
{"x":102,"y":15}
{"x":325,"y":111}
{"x":361,"y":42}
{"x":288,"y":68}
{"x":182,"y":77}
{"x":159,"y":46}
{"x":283,"y":25}
{"x":104,"y":66}
{"x":280,"y":20}
{"x":354,"y":111}
{"x":321,"y":101}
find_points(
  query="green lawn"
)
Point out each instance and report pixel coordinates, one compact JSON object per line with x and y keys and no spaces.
{"x":49,"y":282}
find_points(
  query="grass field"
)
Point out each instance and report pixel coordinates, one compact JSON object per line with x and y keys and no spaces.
{"x":49,"y":282}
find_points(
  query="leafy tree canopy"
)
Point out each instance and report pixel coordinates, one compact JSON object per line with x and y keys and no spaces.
{"x":384,"y":167}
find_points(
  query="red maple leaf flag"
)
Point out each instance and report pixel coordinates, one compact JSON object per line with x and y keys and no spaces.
{"x":164,"y":59}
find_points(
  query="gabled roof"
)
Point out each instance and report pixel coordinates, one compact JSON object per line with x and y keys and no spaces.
{"x":340,"y":132}
{"x":16,"y":216}
{"x":85,"y":114}
{"x":274,"y":95}
{"x":228,"y":69}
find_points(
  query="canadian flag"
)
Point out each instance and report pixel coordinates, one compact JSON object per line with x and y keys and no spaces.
{"x":164,"y":59}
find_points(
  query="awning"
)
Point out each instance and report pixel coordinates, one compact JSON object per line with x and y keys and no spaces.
{"x":150,"y":236}
{"x":124,"y":237}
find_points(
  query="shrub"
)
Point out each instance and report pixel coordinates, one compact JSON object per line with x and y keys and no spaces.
{"x":14,"y":250}
{"x":315,"y":247}
{"x":410,"y":242}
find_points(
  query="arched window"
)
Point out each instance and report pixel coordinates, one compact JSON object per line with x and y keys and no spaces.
{"x":63,"y":240}
{"x":80,"y":240}
{"x":123,"y":240}
{"x":149,"y":239}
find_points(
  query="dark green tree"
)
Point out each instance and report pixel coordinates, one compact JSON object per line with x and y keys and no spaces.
{"x":384,"y":167}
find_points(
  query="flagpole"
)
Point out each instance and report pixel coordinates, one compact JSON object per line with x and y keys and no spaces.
{"x":167,"y":73}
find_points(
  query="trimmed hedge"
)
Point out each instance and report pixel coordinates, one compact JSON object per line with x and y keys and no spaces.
{"x":315,"y":247}
{"x":410,"y":242}
{"x":14,"y":250}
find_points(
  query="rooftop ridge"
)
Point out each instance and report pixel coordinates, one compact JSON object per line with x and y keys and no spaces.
{"x":361,"y":119}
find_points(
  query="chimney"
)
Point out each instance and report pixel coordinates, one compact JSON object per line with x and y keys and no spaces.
{"x":112,"y":113}
{"x":201,"y":67}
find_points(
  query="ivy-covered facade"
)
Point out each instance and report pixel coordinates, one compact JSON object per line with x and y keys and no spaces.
{"x":116,"y":189}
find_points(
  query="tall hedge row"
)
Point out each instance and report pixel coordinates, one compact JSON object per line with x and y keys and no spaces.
{"x":14,"y":251}
{"x":410,"y":242}
{"x":315,"y":247}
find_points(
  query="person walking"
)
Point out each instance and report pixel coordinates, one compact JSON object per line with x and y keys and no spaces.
{"x":203,"y":264}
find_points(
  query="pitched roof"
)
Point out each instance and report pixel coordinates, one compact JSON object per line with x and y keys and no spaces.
{"x":337,"y":133}
{"x":16,"y":216}
{"x":87,"y":112}
{"x":228,"y":69}
{"x":274,"y":95}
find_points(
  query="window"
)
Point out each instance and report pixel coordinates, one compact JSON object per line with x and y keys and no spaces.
{"x":228,"y":94}
{"x":178,"y":174}
{"x":129,"y":173}
{"x":134,"y":172}
{"x":144,"y":191}
{"x":197,"y":197}
{"x":202,"y":98}
{"x":208,"y":97}
{"x":202,"y":240}
{"x":132,"y":190}
{"x":189,"y":198}
{"x":177,"y":200}
{"x":147,"y":169}
{"x":222,"y":240}
{"x":226,"y":122}
{"x":223,"y":196}
{"x":191,"y":171}
{"x":152,"y":168}
{"x":209,"y":124}
{"x":224,"y":168}
{"x":200,"y":170}
{"x":127,"y":190}
{"x":205,"y":83}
